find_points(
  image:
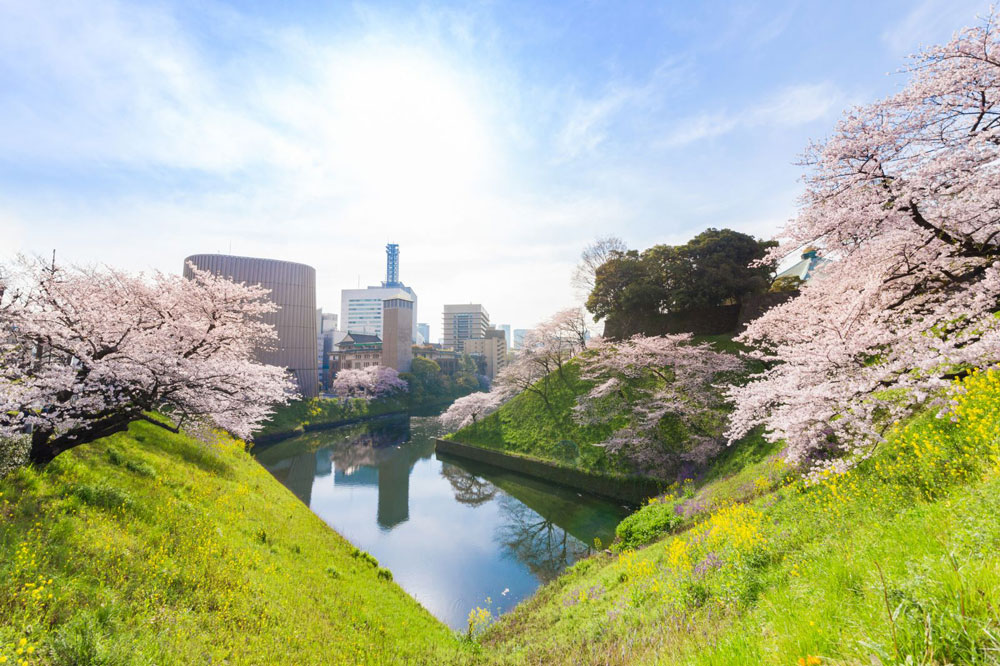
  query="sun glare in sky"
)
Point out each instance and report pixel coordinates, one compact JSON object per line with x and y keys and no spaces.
{"x":492,"y":142}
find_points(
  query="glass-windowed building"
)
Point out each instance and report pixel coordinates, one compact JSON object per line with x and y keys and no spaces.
{"x":361,"y":309}
{"x":462,"y":322}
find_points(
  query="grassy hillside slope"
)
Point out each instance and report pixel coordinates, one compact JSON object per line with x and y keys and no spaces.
{"x":294,"y":418}
{"x":527,"y":426}
{"x":896,"y":561}
{"x":151,"y":548}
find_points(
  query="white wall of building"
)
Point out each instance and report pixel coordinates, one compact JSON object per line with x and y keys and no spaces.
{"x":361,"y":309}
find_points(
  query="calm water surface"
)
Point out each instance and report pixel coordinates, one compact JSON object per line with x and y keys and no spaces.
{"x":452,"y":532}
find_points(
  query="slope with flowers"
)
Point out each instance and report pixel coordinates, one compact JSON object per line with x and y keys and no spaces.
{"x":152,"y":548}
{"x":894,"y":561}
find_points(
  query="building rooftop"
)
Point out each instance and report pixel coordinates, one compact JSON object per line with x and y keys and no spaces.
{"x":805,"y":268}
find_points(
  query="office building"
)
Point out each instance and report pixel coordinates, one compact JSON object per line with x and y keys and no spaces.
{"x":423,"y":334}
{"x":397,"y":327}
{"x":447,"y":359}
{"x":361,"y":309}
{"x":293,"y":289}
{"x":328,"y":336}
{"x":492,"y":347}
{"x":463,"y":322}
{"x":326,"y":321}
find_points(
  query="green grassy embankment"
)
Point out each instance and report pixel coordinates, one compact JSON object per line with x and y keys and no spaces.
{"x":152,"y":548}
{"x":895,"y":561}
{"x":527,"y":426}
{"x":295,"y":418}
{"x":318,"y":413}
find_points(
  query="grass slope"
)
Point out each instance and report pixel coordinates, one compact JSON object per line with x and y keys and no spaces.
{"x":527,"y":426}
{"x":896,"y":561}
{"x":151,"y":548}
{"x":294,"y":418}
{"x":300,"y":415}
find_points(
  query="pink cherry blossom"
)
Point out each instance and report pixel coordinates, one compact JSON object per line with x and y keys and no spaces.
{"x":647,"y":378}
{"x":469,"y":409}
{"x":905,"y":197}
{"x":84,"y":352}
{"x":372,"y":382}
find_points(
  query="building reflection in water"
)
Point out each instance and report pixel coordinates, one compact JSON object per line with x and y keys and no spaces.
{"x":296,"y":473}
{"x":543,"y":526}
{"x":370,"y":455}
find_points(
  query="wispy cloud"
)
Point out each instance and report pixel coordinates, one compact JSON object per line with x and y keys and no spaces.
{"x":931,"y":21}
{"x":591,"y":121}
{"x":789,"y":107}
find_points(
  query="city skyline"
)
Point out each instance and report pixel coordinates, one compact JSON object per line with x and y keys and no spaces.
{"x":136,"y":134}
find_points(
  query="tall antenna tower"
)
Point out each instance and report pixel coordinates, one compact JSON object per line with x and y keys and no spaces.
{"x":392,"y":265}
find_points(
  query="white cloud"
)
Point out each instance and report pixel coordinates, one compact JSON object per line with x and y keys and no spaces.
{"x":932,"y":21}
{"x":797,"y":105}
{"x":590,"y":121}
{"x":321,"y":152}
{"x":789,"y":107}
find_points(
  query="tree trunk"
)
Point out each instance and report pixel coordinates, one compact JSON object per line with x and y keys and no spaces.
{"x":42,"y":452}
{"x":45,"y":447}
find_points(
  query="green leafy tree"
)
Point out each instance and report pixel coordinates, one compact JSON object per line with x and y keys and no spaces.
{"x":716,"y":269}
{"x":711,"y":269}
{"x":623,"y":289}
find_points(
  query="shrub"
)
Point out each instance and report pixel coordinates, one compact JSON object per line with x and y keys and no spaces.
{"x":104,"y":496}
{"x":646,"y":524}
{"x":142,"y":469}
{"x":365,"y":557}
{"x":13,"y":454}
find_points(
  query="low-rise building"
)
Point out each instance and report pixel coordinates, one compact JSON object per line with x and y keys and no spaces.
{"x":447,"y":359}
{"x":356,"y":351}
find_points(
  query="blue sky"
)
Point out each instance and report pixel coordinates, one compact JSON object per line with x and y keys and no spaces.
{"x":492,"y":141}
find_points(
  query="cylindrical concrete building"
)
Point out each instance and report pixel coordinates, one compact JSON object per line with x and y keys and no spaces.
{"x":293,"y":289}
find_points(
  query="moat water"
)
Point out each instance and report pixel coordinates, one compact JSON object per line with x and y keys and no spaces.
{"x":453,"y":532}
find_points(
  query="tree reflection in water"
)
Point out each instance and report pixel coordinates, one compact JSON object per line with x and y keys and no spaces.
{"x":539,"y":543}
{"x":469,"y":489}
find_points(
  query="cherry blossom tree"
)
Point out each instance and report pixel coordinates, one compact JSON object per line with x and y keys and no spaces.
{"x":85,"y":352}
{"x":640,"y":381}
{"x":541,"y":361}
{"x":543,"y":356}
{"x":375,"y":381}
{"x":467,"y":410}
{"x":905,"y":196}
